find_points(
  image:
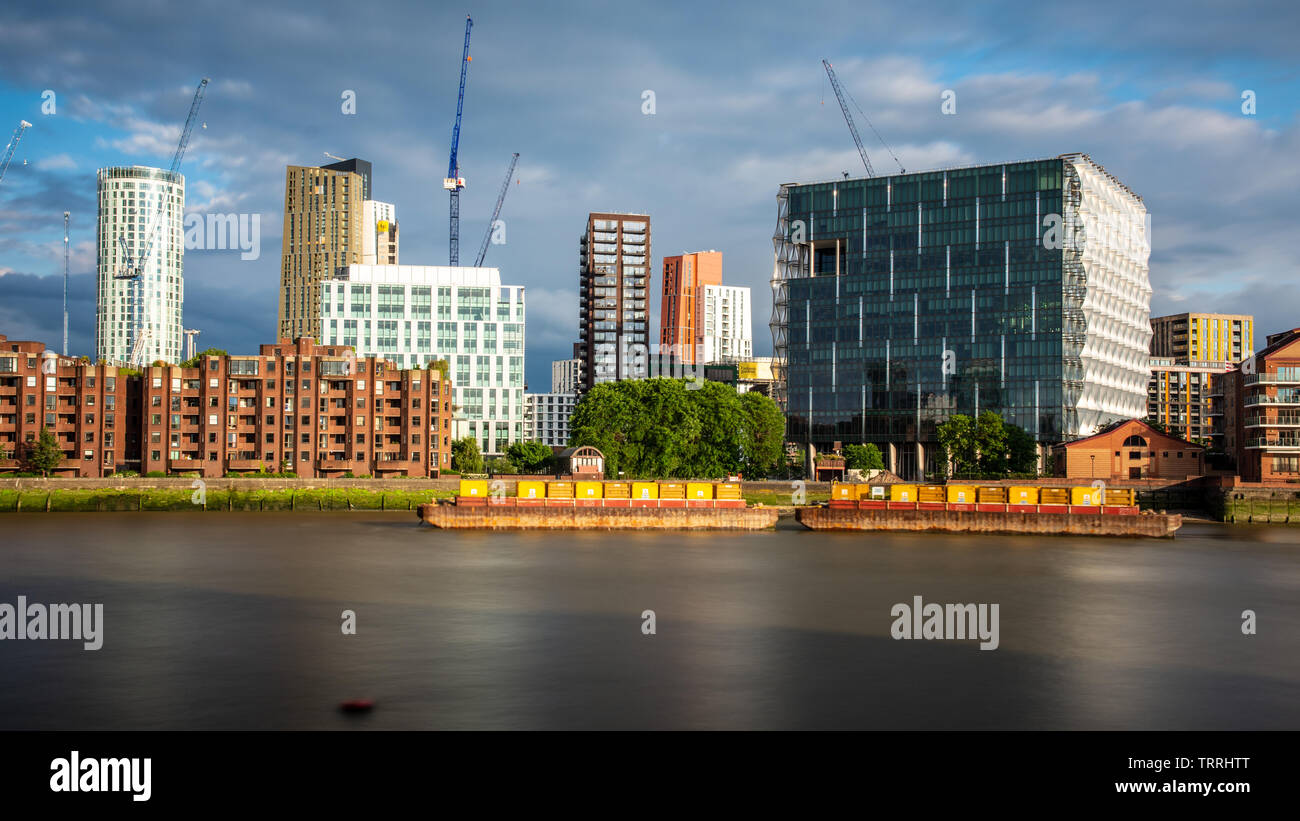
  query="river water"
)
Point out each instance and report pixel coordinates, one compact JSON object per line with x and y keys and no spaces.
{"x":233,"y":620}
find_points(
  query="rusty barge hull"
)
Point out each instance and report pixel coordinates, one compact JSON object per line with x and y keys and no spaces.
{"x":1154,"y":525}
{"x":494,"y":517}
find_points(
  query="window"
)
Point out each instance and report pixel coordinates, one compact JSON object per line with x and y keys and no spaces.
{"x":1135,"y":441}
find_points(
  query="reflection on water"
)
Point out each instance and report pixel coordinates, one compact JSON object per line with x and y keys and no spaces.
{"x":233,"y":621}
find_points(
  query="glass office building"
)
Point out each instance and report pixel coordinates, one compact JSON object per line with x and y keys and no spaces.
{"x":899,"y":301}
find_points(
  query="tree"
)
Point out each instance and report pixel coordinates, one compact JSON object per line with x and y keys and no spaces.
{"x":863,"y":457}
{"x":957,"y":444}
{"x":44,"y":454}
{"x":975,"y":447}
{"x":991,"y":442}
{"x":1022,"y":450}
{"x":762,"y":435}
{"x":498,"y":466}
{"x":465,"y":456}
{"x":530,"y":457}
{"x":197,"y":359}
{"x":661,"y":428}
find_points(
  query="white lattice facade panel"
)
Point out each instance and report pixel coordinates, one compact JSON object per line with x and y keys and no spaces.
{"x":1113,"y":250}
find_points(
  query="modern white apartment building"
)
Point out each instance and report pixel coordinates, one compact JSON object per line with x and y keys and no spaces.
{"x":723,"y":320}
{"x":414,"y":314}
{"x":548,"y":417}
{"x":379,"y":244}
{"x":566,"y":375}
{"x":138,"y":204}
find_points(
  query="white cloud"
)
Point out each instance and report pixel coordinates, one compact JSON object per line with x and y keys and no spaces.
{"x":57,"y":162}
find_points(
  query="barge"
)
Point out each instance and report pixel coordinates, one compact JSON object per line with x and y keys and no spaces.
{"x":1075,"y":511}
{"x":593,"y":505}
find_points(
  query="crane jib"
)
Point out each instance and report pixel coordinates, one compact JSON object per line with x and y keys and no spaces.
{"x":460,"y":103}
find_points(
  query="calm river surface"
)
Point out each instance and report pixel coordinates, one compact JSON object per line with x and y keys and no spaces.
{"x":233,"y":620}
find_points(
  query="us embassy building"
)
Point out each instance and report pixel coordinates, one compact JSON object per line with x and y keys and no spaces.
{"x":1020,"y":288}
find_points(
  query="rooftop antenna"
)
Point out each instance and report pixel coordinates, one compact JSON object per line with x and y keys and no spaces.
{"x":66,"y":215}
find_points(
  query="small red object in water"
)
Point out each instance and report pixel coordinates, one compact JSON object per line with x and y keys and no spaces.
{"x":357,"y":705}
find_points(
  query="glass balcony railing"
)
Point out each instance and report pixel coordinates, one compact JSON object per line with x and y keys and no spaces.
{"x":1278,"y":443}
{"x":1284,"y":398}
{"x":1271,"y":379}
{"x":1284,"y":420}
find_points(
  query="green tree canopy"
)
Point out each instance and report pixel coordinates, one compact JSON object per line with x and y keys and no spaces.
{"x":762,"y":435}
{"x":991,"y":441}
{"x":660,"y":428}
{"x":986,"y":447}
{"x":44,"y":455}
{"x":465,"y":456}
{"x":1022,"y":450}
{"x":530,"y":457}
{"x":863,"y":457}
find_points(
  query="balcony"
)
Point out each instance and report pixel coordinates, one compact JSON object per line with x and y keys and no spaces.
{"x":1287,"y":444}
{"x":1289,"y":400}
{"x":1269,"y":379}
{"x":1283,"y":420}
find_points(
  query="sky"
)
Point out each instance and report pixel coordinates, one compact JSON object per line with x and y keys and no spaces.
{"x":1152,"y":91}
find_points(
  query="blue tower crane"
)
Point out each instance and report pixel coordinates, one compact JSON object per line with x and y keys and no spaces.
{"x":454,"y":181}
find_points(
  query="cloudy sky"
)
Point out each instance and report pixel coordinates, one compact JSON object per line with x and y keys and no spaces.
{"x":1153,"y":91}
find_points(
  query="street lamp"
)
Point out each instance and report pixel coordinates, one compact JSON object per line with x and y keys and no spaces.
{"x":1092,"y":469}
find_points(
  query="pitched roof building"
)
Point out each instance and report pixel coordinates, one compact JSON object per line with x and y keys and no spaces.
{"x":1128,"y":450}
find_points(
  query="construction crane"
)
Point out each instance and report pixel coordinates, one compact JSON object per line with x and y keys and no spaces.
{"x":496,"y":212}
{"x":23,"y":125}
{"x":133,"y":270}
{"x":853,"y":128}
{"x":454,"y":181}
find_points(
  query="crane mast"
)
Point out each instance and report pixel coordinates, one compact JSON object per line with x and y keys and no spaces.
{"x":496,"y":212}
{"x":453,"y":182}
